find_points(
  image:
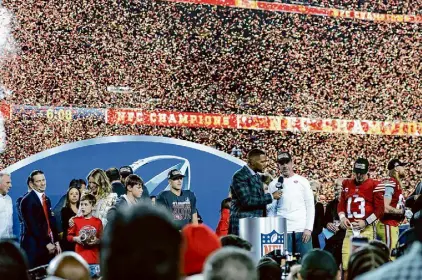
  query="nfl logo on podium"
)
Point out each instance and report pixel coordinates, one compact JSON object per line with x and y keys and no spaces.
{"x":271,"y":241}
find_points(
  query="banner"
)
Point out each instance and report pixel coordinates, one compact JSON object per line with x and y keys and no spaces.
{"x":309,"y":10}
{"x":165,"y":118}
{"x":206,"y":120}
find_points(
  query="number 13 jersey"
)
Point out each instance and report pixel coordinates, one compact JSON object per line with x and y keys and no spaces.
{"x":363,"y":202}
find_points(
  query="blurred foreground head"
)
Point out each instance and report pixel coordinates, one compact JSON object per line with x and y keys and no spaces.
{"x":142,"y":242}
{"x":70,"y":266}
{"x":230,"y":263}
{"x":13,"y":264}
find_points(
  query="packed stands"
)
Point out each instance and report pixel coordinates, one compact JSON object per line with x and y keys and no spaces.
{"x":215,"y":59}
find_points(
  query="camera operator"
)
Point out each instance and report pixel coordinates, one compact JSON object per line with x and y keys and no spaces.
{"x":296,"y":204}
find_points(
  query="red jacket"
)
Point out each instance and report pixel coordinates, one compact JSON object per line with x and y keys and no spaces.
{"x":223,"y":224}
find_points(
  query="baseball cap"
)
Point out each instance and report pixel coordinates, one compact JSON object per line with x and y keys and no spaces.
{"x":317,"y":264}
{"x":361,"y":166}
{"x":173,"y":174}
{"x":125,"y":171}
{"x":394,"y":163}
{"x":284,"y":157}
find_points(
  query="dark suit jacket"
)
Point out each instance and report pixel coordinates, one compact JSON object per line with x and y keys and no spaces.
{"x":318,"y":224}
{"x":35,"y":237}
{"x":331,"y":215}
{"x":18,"y":208}
{"x":248,"y":198}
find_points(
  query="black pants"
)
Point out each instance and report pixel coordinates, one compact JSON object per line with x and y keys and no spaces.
{"x":335,"y":247}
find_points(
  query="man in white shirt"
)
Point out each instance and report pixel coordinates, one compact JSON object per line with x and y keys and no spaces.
{"x":6,"y":207}
{"x":296,"y":204}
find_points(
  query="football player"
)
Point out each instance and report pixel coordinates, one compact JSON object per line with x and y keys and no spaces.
{"x":388,"y":226}
{"x":361,"y":204}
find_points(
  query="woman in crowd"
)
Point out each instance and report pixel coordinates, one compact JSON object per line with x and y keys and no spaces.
{"x":70,"y":210}
{"x":100,"y":187}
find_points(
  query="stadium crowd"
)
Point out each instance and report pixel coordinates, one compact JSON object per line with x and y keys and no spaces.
{"x":200,"y":58}
{"x":382,"y":7}
{"x":203,"y":58}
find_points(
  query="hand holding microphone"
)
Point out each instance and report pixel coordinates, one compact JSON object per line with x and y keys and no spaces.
{"x":279,"y":192}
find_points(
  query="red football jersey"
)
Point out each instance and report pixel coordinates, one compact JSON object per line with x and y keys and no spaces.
{"x":360,"y":202}
{"x":397,"y":200}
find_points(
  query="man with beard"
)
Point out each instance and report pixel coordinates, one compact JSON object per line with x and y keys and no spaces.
{"x":361,"y":204}
{"x":248,"y":196}
{"x":332,"y":222}
{"x":296,"y":205}
{"x":181,"y":203}
{"x":388,"y":227}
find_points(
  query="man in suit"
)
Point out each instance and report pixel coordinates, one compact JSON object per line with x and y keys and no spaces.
{"x":248,"y":196}
{"x":40,"y":239}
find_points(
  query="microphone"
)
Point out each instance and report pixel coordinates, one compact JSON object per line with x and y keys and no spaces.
{"x":279,"y":184}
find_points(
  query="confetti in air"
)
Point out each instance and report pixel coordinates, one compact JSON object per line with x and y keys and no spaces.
{"x":7,"y":49}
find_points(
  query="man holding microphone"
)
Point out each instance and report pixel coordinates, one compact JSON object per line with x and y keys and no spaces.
{"x":248,"y":196}
{"x":296,"y":204}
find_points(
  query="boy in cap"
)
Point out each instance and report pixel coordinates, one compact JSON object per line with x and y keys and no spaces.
{"x":388,"y":227}
{"x":181,"y":203}
{"x":360,"y":205}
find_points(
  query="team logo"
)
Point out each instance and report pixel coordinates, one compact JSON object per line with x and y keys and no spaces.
{"x":157,"y":180}
{"x":87,"y":233}
{"x":272,"y":241}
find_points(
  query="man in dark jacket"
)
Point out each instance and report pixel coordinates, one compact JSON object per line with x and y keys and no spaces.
{"x":134,"y":188}
{"x":248,"y":196}
{"x":414,"y":202}
{"x":331,"y":222}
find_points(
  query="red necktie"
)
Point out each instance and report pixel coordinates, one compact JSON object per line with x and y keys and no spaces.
{"x":44,"y":206}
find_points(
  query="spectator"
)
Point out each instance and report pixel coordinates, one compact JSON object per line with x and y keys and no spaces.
{"x":235,"y":241}
{"x":230,"y":264}
{"x":124,"y":172}
{"x":382,"y":246}
{"x":75,"y":183}
{"x":268,"y":269}
{"x":73,"y":197}
{"x":407,"y":267}
{"x":86,"y":233}
{"x":223,"y":223}
{"x":70,"y":266}
{"x":153,"y":246}
{"x":18,"y":208}
{"x":318,"y":265}
{"x":365,"y":259}
{"x":116,"y":184}
{"x":332,"y":222}
{"x":100,"y":187}
{"x":40,"y":240}
{"x":181,"y":203}
{"x":200,"y":242}
{"x":6,"y":207}
{"x":134,"y":188}
{"x":13,"y":264}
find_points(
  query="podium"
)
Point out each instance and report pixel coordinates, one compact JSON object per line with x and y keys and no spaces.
{"x":266,"y":234}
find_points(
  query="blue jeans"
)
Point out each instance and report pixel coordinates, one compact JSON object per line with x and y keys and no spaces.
{"x":301,"y":247}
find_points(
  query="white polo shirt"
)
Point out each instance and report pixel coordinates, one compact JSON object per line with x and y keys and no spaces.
{"x":296,"y":204}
